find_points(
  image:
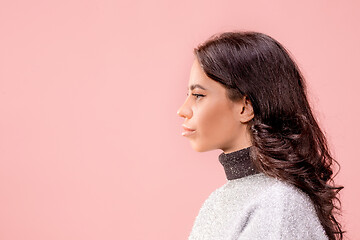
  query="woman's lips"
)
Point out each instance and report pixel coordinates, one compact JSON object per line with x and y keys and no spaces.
{"x":188,"y":131}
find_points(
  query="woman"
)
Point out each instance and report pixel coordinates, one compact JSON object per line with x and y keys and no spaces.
{"x":248,"y":98}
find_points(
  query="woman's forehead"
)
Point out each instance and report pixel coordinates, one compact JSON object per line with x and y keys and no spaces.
{"x":198,"y":78}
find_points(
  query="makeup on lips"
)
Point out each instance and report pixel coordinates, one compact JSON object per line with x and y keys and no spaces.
{"x":188,"y":131}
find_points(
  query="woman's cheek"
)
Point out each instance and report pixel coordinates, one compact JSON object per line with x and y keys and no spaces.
{"x":210,"y":121}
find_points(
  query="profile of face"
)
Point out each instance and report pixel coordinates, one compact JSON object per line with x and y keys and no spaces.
{"x":216,"y":121}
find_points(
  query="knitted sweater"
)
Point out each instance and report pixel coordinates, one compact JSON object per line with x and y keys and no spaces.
{"x":252,"y":205}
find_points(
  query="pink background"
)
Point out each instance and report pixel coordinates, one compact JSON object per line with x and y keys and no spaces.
{"x":90,"y":143}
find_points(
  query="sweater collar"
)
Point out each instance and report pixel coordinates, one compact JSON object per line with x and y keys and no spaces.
{"x":238,"y":164}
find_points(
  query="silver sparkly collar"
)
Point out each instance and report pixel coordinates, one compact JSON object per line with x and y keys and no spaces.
{"x":238,"y":164}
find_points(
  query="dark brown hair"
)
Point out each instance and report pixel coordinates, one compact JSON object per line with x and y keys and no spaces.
{"x":288,"y":141}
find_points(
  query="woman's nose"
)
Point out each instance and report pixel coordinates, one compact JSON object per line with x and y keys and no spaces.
{"x":179,"y":112}
{"x":184,"y":112}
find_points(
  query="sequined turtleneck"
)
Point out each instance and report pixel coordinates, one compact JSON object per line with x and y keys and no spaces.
{"x":238,"y":164}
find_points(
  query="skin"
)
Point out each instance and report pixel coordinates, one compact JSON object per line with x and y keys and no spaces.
{"x":219,"y":123}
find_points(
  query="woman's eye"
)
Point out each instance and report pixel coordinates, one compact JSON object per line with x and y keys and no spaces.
{"x":198,"y":95}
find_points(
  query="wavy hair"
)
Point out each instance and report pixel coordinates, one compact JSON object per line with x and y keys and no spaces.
{"x":288,"y":142}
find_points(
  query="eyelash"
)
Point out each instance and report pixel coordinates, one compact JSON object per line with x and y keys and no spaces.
{"x":196,"y":95}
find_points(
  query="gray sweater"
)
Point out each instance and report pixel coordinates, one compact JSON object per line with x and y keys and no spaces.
{"x":251,"y":205}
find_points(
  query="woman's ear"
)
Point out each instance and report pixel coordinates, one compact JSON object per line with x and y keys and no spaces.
{"x":246,"y":112}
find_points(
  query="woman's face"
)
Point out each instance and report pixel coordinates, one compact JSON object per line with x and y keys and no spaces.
{"x":215,"y":119}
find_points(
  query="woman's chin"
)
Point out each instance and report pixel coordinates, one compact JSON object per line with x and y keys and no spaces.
{"x":200,"y":148}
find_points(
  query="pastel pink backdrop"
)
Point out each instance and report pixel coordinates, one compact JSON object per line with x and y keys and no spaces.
{"x":90,"y":143}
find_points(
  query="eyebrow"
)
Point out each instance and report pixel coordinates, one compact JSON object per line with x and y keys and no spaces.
{"x":192,"y":87}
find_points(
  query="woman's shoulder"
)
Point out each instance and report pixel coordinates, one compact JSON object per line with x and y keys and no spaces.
{"x":259,"y":191}
{"x":263,"y":191}
{"x":241,"y":190}
{"x":279,"y":211}
{"x":284,"y":192}
{"x":289,"y":202}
